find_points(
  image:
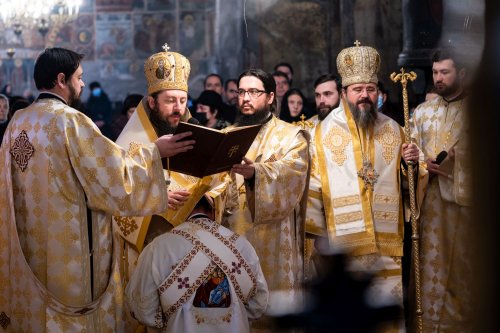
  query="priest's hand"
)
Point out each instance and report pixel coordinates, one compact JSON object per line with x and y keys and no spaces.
{"x":246,"y":169}
{"x":410,"y":153}
{"x":176,"y":199}
{"x":433,"y":168}
{"x":170,"y":145}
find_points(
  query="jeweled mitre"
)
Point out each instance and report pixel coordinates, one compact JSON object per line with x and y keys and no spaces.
{"x":167,"y":70}
{"x":358,"y":64}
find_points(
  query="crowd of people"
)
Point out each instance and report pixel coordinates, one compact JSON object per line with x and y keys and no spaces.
{"x":97,"y":234}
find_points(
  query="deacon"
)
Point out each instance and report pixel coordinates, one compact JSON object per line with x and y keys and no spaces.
{"x":61,"y":181}
{"x":440,"y":130}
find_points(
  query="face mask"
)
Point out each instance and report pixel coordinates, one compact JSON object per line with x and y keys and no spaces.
{"x":96,"y":92}
{"x":380,"y":101}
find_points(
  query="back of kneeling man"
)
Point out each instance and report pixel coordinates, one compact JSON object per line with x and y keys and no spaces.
{"x":200,"y":277}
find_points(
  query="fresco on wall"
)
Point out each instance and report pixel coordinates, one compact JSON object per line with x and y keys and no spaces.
{"x":152,"y":31}
{"x":18,"y":73}
{"x":113,"y":36}
{"x":77,"y":36}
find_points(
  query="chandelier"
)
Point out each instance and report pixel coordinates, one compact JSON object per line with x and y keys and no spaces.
{"x":39,"y":14}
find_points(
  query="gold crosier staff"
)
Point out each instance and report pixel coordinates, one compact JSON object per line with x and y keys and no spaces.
{"x":403,"y":78}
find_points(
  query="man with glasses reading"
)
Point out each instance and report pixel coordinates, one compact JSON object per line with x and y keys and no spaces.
{"x":265,"y":200}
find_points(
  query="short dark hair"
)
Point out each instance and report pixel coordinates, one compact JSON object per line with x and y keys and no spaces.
{"x":329,"y":77}
{"x":53,"y":61}
{"x":280,"y":73}
{"x":284,"y":64}
{"x":448,"y":53}
{"x":229,"y":81}
{"x":210,"y":75}
{"x":131,"y":101}
{"x":267,"y":80}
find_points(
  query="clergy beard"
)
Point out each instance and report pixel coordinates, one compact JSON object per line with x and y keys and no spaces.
{"x":324,"y":110}
{"x":447,"y":91}
{"x":364,"y":118}
{"x":162,"y":127}
{"x":259,"y":117}
{"x":74,"y":98}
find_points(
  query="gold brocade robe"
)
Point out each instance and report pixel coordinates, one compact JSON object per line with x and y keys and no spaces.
{"x":137,"y":230}
{"x":364,"y":221}
{"x":270,"y":211}
{"x":54,"y":163}
{"x":440,"y":125}
{"x":354,"y":217}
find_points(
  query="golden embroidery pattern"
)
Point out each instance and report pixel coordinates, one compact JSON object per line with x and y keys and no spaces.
{"x":386,"y":216}
{"x":337,"y":140}
{"x":348,"y":217}
{"x":127,"y":225}
{"x":133,"y":148}
{"x":386,"y":199}
{"x":22,"y":150}
{"x":272,"y":158}
{"x":388,"y":138}
{"x":346,"y":201}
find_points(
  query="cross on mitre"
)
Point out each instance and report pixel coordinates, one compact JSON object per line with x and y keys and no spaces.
{"x":357,"y":43}
{"x":165,"y":47}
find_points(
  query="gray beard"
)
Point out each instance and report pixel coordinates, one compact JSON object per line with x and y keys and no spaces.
{"x":259,"y":117}
{"x":161,"y":126}
{"x":364,"y":119}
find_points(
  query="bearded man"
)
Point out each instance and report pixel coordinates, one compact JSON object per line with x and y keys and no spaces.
{"x":439,"y":128}
{"x":61,"y":181}
{"x":355,"y":205}
{"x":266,"y":199}
{"x":159,"y":113}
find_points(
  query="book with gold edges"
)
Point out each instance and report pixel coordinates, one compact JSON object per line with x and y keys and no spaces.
{"x":214,"y":151}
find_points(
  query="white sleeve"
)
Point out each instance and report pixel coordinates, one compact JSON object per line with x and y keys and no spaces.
{"x":257,"y":305}
{"x":142,"y":290}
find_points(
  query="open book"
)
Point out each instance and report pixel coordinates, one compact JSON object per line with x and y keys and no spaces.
{"x":214,"y":151}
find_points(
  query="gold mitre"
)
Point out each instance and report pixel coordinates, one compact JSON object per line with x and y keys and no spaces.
{"x":167,"y":70}
{"x":358,"y":64}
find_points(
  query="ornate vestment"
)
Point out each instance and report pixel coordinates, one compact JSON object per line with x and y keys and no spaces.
{"x":361,"y":218}
{"x":54,"y":164}
{"x":269,"y":210}
{"x":440,"y":125}
{"x":200,"y":277}
{"x":133,"y":230}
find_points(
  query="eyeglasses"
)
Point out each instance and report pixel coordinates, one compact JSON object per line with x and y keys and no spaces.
{"x":253,"y":93}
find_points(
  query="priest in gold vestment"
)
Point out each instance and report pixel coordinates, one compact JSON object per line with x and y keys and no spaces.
{"x":159,"y":113}
{"x":439,"y":125}
{"x":355,"y":191}
{"x":61,"y":181}
{"x":265,"y":200}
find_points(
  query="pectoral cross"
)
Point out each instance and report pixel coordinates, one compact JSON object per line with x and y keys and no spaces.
{"x":233,"y":150}
{"x":303,"y":122}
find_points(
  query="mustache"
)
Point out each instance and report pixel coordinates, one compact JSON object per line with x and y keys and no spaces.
{"x":364,"y":101}
{"x":176,"y":113}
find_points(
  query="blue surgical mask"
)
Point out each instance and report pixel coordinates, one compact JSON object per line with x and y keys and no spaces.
{"x":380,"y":101}
{"x":96,"y":92}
